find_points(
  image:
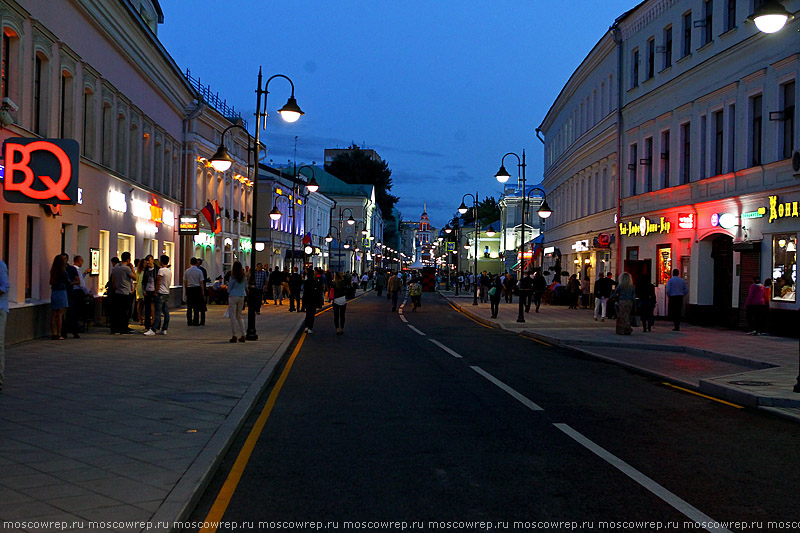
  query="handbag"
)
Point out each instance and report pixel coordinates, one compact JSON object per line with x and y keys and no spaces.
{"x":492,"y":291}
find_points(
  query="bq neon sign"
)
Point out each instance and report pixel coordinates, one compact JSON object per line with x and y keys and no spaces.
{"x":41,"y":171}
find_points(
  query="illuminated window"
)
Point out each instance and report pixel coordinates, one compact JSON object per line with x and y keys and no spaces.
{"x":664,"y":265}
{"x":784,"y":267}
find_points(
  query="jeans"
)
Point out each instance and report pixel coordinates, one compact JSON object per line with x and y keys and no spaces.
{"x":495,"y":302}
{"x":394,"y":295}
{"x":149,"y":298}
{"x":194,"y":305}
{"x":338,"y":315}
{"x":277,"y":292}
{"x":311,"y":313}
{"x":675,"y":308}
{"x":600,"y":304}
{"x":162,"y":310}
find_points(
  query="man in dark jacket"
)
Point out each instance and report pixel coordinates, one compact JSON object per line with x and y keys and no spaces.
{"x":602,"y":292}
{"x":526,"y":291}
{"x":539,"y":286}
{"x":295,"y":282}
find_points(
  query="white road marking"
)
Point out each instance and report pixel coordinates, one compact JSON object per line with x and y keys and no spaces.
{"x":416,"y":330}
{"x":445,"y":348}
{"x":404,"y":319}
{"x":514,"y":394}
{"x":667,"y":496}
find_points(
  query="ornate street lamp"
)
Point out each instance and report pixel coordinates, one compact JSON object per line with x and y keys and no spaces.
{"x":770,"y":17}
{"x":463,"y":210}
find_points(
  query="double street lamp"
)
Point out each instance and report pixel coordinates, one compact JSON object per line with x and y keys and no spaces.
{"x":290,"y":112}
{"x":463,"y":210}
{"x":544,"y":211}
{"x":329,"y":237}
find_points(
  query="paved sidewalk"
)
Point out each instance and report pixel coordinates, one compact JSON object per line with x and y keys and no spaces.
{"x":748,"y":370}
{"x":127,"y":428}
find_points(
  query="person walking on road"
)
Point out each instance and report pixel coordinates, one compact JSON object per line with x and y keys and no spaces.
{"x":538,"y":286}
{"x":508,"y":288}
{"x":626,"y":295}
{"x":194,"y":286}
{"x":394,"y":290}
{"x":237,"y":292}
{"x":380,"y":283}
{"x":526,"y":291}
{"x":415,"y":292}
{"x":676,"y":290}
{"x":340,"y":286}
{"x":312,"y":298}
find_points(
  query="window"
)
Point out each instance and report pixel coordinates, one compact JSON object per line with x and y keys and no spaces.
{"x":632,"y":168}
{"x":648,"y":164}
{"x":787,"y":95}
{"x":88,"y":123}
{"x":668,"y":47}
{"x":784,"y":267}
{"x":122,"y":143}
{"x":756,"y":121}
{"x":708,"y":9}
{"x":651,"y":58}
{"x":686,"y":48}
{"x":686,"y":152}
{"x":106,"y":130}
{"x":40,"y":95}
{"x":730,"y":15}
{"x":664,"y":264}
{"x":703,"y":146}
{"x":665,"y":159}
{"x":719,"y":137}
{"x":635,"y":68}
{"x":731,"y":138}
{"x":133,"y":162}
{"x":66,"y":111}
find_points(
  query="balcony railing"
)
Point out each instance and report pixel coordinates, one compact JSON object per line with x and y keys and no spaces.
{"x":214,"y":100}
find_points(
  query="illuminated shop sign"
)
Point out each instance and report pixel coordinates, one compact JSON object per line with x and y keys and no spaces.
{"x":204,"y":239}
{"x":41,"y":171}
{"x":782,"y":209}
{"x":686,"y":221}
{"x":94,"y":261}
{"x":754,"y":214}
{"x":117,"y":201}
{"x":245,"y":244}
{"x":723,"y":220}
{"x":581,"y":246}
{"x":645,"y":227}
{"x":188,"y":225}
{"x":148,"y":211}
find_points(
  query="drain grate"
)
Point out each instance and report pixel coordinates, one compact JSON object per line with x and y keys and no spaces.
{"x":751,"y":383}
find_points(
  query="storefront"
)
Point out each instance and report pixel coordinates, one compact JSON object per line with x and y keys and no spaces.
{"x":719,"y":247}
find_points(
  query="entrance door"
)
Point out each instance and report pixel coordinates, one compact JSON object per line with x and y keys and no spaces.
{"x":722,"y":254}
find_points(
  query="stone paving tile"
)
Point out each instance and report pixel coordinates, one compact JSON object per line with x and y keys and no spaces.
{"x":90,"y":500}
{"x":124,"y":489}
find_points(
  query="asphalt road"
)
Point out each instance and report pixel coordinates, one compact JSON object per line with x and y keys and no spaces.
{"x":472,"y":428}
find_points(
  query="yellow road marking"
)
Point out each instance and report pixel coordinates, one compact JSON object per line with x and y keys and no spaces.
{"x":229,"y":487}
{"x":534,"y":339}
{"x":702,"y":395}
{"x":456,"y":309}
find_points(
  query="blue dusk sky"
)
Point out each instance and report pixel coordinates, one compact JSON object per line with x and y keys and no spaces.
{"x":441,"y":89}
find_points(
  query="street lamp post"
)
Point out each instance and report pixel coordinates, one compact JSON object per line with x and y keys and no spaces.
{"x":350,"y":222}
{"x":544,"y":211}
{"x":290,"y":112}
{"x":463,"y":209}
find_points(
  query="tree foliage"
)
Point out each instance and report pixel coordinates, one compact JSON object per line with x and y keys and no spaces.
{"x":358,"y":168}
{"x":488,"y":212}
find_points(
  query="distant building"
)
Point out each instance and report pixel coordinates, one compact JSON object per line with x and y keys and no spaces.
{"x":331,"y":153}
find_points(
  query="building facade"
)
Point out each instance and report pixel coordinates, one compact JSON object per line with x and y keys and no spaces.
{"x":706,"y":127}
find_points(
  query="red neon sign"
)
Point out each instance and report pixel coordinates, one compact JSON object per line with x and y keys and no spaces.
{"x":686,"y":220}
{"x":41,"y":171}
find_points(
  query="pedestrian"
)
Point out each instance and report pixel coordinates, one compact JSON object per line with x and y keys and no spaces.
{"x":611,"y":312}
{"x":61,"y":286}
{"x":237,"y":292}
{"x":508,"y":288}
{"x":122,"y":283}
{"x":275,"y":280}
{"x":257,"y":283}
{"x":586,"y":294}
{"x":163,"y":282}
{"x":676,"y":290}
{"x":573,"y":291}
{"x":5,"y":287}
{"x":625,"y":294}
{"x":340,"y":286}
{"x":364,"y":281}
{"x":394,"y":287}
{"x":538,"y":288}
{"x":646,"y":293}
{"x":415,"y":293}
{"x":495,"y":293}
{"x":380,"y":283}
{"x":204,"y":297}
{"x":295,"y":283}
{"x":602,"y":292}
{"x":77,"y":293}
{"x":485,"y":282}
{"x":756,"y":307}
{"x":193,"y":285}
{"x":149,"y":289}
{"x":526,"y":291}
{"x":312,"y":298}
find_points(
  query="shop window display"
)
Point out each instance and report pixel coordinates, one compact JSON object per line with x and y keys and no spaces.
{"x":784,"y":267}
{"x":664,"y":264}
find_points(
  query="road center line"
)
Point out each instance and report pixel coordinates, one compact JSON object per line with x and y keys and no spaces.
{"x":674,"y":501}
{"x":514,"y":394}
{"x":416,"y":330}
{"x":404,"y":319}
{"x":445,"y":348}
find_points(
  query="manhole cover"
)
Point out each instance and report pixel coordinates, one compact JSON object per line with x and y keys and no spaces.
{"x":751,"y":383}
{"x":187,"y":397}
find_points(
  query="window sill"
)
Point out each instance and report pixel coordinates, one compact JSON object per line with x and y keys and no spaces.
{"x":684,"y":58}
{"x":729,"y":31}
{"x":665,"y":69}
{"x":709,"y":43}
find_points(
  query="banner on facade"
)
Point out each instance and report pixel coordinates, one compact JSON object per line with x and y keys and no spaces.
{"x":41,"y":171}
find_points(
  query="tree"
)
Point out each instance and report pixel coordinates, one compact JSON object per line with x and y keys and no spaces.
{"x":488,"y":212}
{"x":356,"y":167}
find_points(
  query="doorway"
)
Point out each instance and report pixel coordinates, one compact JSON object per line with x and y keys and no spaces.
{"x":722,"y":255}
